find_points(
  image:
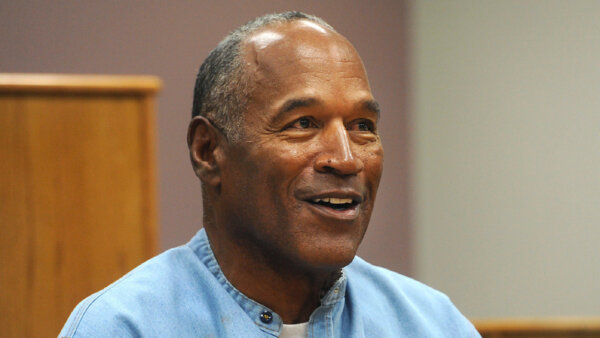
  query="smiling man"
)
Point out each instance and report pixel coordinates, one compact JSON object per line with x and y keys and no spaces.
{"x":284,"y":141}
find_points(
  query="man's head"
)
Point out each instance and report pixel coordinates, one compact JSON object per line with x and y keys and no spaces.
{"x":291,"y":179}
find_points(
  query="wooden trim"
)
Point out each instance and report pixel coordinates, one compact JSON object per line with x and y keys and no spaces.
{"x":559,"y":324}
{"x":146,"y":84}
{"x":150,"y":179}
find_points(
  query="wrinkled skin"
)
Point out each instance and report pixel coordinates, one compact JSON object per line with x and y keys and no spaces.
{"x":309,"y":132}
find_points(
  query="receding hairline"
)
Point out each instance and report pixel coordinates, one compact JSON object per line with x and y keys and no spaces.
{"x":326,"y":31}
{"x":249,"y":50}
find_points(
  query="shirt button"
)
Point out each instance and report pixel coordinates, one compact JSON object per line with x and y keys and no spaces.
{"x":266,"y":317}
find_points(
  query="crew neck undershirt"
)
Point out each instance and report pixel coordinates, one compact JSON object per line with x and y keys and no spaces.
{"x":294,"y":330}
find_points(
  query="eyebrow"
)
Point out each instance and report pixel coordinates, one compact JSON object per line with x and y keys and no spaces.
{"x":292,"y":104}
{"x":372,"y":106}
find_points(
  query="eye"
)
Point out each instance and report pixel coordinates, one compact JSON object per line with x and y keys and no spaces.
{"x":362,"y":125}
{"x":302,"y":123}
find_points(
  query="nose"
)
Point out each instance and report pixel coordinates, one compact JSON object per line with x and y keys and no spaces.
{"x":337,"y":156}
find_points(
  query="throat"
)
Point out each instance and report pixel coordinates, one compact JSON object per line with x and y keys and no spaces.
{"x":329,"y":283}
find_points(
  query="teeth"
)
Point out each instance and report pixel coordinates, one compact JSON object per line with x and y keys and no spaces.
{"x":340,"y":200}
{"x":333,"y":200}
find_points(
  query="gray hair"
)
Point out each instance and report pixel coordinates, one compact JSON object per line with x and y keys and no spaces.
{"x":222,"y":86}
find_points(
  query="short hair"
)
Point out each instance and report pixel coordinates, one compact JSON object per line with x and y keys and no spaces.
{"x":222,"y":86}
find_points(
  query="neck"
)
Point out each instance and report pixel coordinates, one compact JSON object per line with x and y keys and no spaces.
{"x":285,"y":287}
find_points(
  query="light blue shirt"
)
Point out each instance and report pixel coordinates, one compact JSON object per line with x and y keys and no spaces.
{"x":183,"y":293}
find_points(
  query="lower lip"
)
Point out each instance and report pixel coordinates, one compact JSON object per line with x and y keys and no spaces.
{"x":347,"y":214}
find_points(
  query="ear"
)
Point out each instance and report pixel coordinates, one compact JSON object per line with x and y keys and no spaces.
{"x":204,"y":141}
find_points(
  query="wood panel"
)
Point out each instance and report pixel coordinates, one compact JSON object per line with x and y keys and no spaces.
{"x":77,"y":193}
{"x":565,"y":327}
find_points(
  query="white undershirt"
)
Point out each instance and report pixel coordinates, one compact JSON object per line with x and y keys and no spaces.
{"x":294,"y":330}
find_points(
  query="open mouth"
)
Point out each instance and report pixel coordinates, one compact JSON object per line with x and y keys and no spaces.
{"x":339,"y":204}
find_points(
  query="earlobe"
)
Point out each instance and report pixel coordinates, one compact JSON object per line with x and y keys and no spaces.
{"x":203,"y":142}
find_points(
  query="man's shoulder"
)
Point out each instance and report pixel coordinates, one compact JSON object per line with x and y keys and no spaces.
{"x":387,"y":294}
{"x":126,"y":302}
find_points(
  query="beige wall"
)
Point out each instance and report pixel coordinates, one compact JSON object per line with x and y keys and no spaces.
{"x":171,"y":38}
{"x":507,"y":149}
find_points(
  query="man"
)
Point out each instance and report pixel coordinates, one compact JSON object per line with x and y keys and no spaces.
{"x":284,"y":140}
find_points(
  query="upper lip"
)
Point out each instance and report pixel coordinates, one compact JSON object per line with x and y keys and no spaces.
{"x":339,"y":193}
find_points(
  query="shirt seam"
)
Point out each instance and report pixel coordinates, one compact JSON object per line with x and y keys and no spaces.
{"x":81,"y":313}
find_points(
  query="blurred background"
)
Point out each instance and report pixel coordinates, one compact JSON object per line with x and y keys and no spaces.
{"x":490,"y":124}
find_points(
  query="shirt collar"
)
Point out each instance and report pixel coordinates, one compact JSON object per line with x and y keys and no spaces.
{"x":254,"y":309}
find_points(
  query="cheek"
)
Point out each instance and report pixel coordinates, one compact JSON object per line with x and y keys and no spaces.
{"x":372,"y":158}
{"x":284,"y":167}
{"x":290,"y":152}
{"x":284,"y":161}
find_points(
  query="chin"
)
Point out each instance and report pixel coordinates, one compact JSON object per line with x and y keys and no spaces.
{"x":329,"y":257}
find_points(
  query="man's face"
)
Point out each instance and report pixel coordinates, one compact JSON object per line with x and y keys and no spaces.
{"x":300,"y":185}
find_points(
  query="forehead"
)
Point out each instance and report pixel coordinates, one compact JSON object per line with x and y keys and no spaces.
{"x":301,"y":51}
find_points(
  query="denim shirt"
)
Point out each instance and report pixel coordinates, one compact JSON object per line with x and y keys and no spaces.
{"x":183,"y":293}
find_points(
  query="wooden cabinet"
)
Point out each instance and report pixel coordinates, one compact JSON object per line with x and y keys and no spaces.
{"x":559,"y":327}
{"x":78,"y":202}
